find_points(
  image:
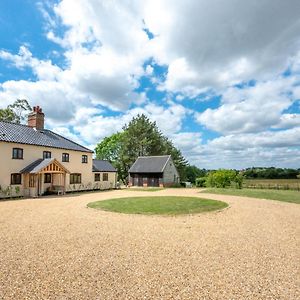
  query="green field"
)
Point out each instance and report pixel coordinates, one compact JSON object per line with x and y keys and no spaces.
{"x":168,"y":205}
{"x":279,"y":195}
{"x":281,"y":184}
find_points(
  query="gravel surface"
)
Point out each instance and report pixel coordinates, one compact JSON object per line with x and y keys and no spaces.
{"x":56,"y":248}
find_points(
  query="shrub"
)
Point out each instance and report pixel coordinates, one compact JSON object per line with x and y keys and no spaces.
{"x":176,"y":185}
{"x":200,"y":182}
{"x":224,"y":178}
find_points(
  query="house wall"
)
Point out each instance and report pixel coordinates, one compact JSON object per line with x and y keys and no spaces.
{"x":32,"y":153}
{"x":170,"y":174}
{"x":110,"y":184}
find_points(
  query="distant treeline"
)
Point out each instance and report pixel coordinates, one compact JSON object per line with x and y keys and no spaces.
{"x":270,"y":173}
{"x":193,"y":172}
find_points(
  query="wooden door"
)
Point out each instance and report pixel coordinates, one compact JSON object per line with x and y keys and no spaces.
{"x":140,"y":181}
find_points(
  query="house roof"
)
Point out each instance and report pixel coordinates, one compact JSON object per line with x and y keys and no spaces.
{"x":22,"y":134}
{"x":102,"y":166}
{"x":150,"y":164}
{"x":40,"y":164}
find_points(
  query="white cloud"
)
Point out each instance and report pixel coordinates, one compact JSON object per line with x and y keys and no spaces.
{"x":288,"y":121}
{"x":207,"y":46}
{"x":250,"y":109}
{"x":277,"y":148}
{"x":43,"y":69}
{"x":223,"y":42}
{"x":95,"y":127}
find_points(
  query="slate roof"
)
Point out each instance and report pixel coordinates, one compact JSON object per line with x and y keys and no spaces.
{"x":150,"y":164}
{"x":22,"y":134}
{"x":39,"y":165}
{"x":102,"y":166}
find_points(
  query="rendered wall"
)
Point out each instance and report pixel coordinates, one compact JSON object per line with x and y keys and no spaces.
{"x":32,"y":153}
{"x":110,"y":184}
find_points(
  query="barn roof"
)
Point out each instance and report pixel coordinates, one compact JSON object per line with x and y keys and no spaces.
{"x":150,"y":164}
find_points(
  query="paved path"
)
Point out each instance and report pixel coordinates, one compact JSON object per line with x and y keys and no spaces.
{"x":56,"y":248}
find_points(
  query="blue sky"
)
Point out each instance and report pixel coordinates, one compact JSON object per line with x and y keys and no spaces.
{"x":220,"y":78}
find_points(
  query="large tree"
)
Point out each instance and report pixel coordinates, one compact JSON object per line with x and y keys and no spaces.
{"x":140,"y":137}
{"x":15,"y":112}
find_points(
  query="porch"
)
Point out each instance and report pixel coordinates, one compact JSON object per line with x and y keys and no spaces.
{"x":43,"y":176}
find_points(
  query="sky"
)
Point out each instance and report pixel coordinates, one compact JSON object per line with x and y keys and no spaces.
{"x":220,"y":78}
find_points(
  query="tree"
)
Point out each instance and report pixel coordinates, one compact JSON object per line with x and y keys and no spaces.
{"x":270,"y":173}
{"x":110,"y":147}
{"x":15,"y":112}
{"x":193,"y":172}
{"x":140,"y":137}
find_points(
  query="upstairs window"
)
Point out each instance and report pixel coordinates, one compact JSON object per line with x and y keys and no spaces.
{"x":17,"y":153}
{"x":15,"y":178}
{"x":97,"y":177}
{"x":75,"y":178}
{"x":105,"y":176}
{"x":65,"y":157}
{"x":84,"y":159}
{"x":46,"y":154}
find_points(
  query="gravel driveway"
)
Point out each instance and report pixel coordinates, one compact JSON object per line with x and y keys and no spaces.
{"x":56,"y":248}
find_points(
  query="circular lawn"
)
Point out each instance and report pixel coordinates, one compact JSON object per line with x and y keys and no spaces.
{"x":167,"y":205}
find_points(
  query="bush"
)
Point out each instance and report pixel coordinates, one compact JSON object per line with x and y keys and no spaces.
{"x":224,"y":178}
{"x":177,"y":185}
{"x":200,"y":182}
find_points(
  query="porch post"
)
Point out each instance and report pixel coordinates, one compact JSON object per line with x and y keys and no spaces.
{"x":38,"y":184}
{"x":64,"y":181}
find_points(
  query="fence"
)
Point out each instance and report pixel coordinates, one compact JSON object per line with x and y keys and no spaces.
{"x":275,"y":184}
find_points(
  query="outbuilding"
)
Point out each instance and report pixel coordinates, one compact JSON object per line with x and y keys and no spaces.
{"x":104,"y":174}
{"x":153,"y":171}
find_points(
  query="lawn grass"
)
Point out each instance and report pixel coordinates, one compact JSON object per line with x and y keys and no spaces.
{"x":146,"y":189}
{"x":167,"y":205}
{"x":279,"y":195}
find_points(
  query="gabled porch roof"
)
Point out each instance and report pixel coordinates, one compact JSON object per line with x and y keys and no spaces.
{"x":48,"y":165}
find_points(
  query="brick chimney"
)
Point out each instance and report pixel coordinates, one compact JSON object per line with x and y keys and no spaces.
{"x":36,"y":118}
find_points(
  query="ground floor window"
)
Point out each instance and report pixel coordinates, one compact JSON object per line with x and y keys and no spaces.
{"x":97,"y":177}
{"x":16,"y":178}
{"x":75,"y":178}
{"x":47,"y":178}
{"x":105,"y":176}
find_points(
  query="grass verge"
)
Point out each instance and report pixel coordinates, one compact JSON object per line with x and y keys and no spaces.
{"x":159,"y":205}
{"x":279,"y":195}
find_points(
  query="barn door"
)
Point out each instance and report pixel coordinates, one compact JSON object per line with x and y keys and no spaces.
{"x":140,"y":181}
